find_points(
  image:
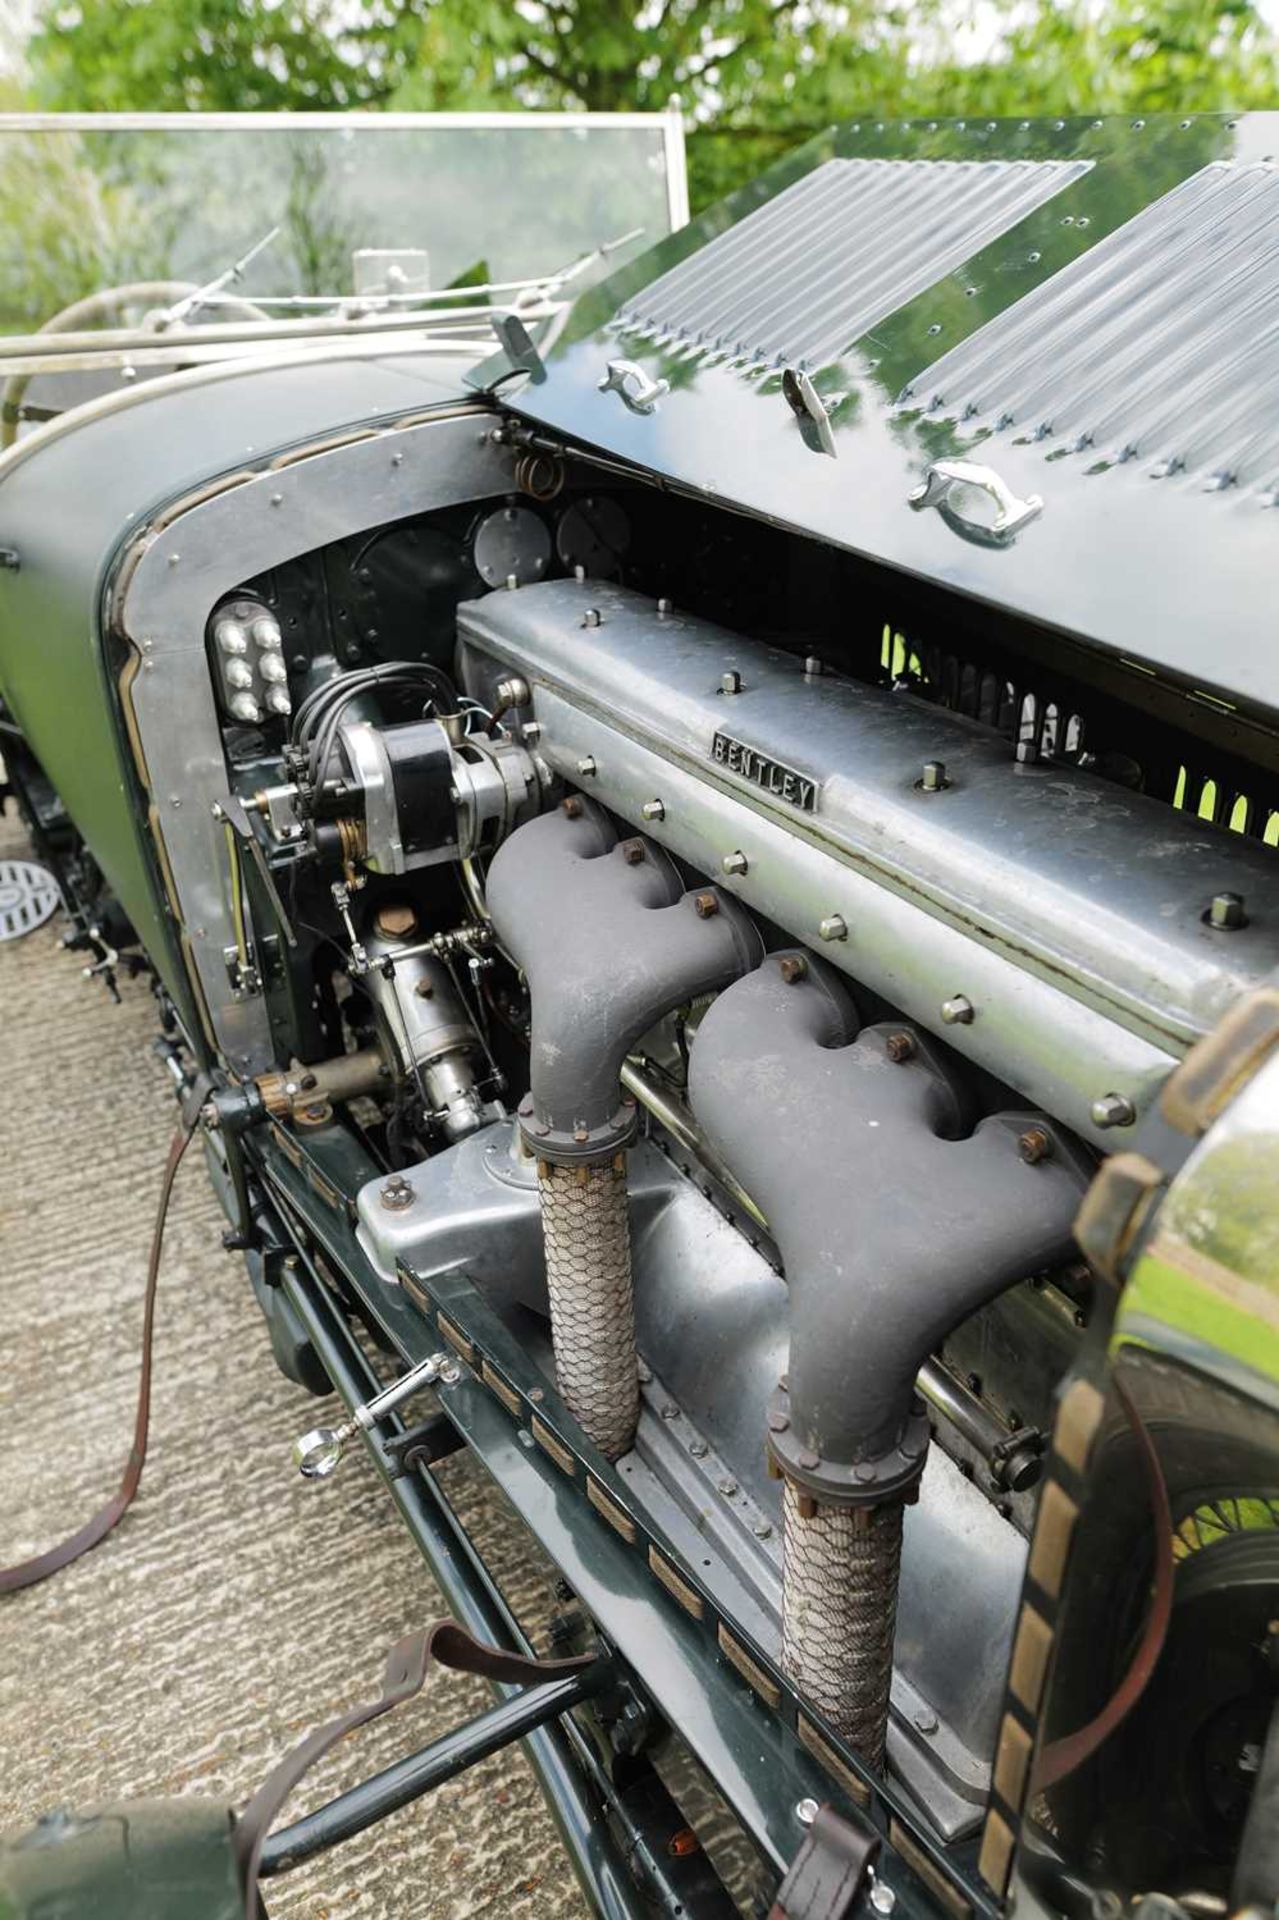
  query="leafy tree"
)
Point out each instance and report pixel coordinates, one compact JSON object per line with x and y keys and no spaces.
{"x":756,"y":76}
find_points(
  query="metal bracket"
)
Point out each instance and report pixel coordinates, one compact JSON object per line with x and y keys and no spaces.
{"x":809,"y":409}
{"x":1013,"y":513}
{"x":640,"y":393}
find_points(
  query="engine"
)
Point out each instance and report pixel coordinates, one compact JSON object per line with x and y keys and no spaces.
{"x":748,"y":1030}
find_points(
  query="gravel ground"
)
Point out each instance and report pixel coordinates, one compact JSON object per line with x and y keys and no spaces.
{"x":235,"y":1607}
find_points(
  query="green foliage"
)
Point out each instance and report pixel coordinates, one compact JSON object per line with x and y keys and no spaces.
{"x":756,"y":76}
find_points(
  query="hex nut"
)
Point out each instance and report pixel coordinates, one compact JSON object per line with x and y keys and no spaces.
{"x":397,"y":1194}
{"x":653,"y":810}
{"x":1034,"y":1145}
{"x":592,"y":618}
{"x":1226,"y":912}
{"x":586,"y":765}
{"x":1113,"y":1110}
{"x":730,"y":682}
{"x":833,"y":927}
{"x":958,"y":1011}
{"x":933,"y":778}
{"x":735,"y":862}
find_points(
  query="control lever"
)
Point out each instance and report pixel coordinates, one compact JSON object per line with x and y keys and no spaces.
{"x":317,"y":1453}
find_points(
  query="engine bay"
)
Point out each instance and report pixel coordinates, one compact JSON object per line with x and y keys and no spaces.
{"x":734,"y":962}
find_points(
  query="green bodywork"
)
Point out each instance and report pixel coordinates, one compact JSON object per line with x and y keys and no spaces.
{"x":74,"y":499}
{"x":138,"y":1860}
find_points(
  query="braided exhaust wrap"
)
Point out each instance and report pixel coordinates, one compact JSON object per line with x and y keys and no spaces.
{"x":587,"y":1232}
{"x":839,"y":1610}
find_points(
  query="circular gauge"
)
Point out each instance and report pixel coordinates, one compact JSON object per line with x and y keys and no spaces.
{"x":513,"y":543}
{"x":593,"y":533}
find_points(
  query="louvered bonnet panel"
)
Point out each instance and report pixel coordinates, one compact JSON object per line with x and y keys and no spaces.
{"x":1161,"y":344}
{"x":803,"y":277}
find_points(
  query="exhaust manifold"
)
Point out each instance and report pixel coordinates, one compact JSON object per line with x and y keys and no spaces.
{"x":894,"y":1223}
{"x":609,"y":941}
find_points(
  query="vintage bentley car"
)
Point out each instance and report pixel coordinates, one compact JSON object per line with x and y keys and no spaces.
{"x":711,"y":874}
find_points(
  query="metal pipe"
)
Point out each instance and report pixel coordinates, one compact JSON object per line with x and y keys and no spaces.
{"x":395,"y":1786}
{"x":671,"y":1113}
{"x":557,"y":1754}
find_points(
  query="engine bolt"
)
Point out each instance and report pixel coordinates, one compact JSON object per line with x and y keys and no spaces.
{"x":762,"y":1529}
{"x":778,"y":1422}
{"x":397,"y":1194}
{"x":586,"y":765}
{"x":424,"y":990}
{"x":833,"y":927}
{"x":591,"y":618}
{"x":633,"y":852}
{"x":730,"y":682}
{"x":664,"y":607}
{"x":958,"y":1011}
{"x":1226,"y":912}
{"x":670,"y":1411}
{"x":933,"y":778}
{"x":1034,"y":1145}
{"x":735,"y":862}
{"x":1113,"y":1110}
{"x":882,"y":1898}
{"x":813,"y":668}
{"x":728,"y":1488}
{"x":792,"y":967}
{"x":806,"y":1811}
{"x":899,"y":1047}
{"x":653,"y":810}
{"x":572,"y":806}
{"x":699,"y":1449}
{"x":707,"y":906}
{"x":1027,"y":753}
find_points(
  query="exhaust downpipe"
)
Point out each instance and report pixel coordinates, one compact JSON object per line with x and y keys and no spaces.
{"x":609,"y":941}
{"x":894,"y":1223}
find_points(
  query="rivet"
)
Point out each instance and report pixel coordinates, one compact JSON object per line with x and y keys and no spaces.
{"x":933,"y":778}
{"x":735,"y":862}
{"x":833,"y":927}
{"x":958,"y":1011}
{"x":653,"y":810}
{"x":1226,"y":912}
{"x":1113,"y":1110}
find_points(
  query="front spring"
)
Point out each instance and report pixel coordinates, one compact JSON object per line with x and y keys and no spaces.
{"x":839,"y":1612}
{"x":586,"y":1226}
